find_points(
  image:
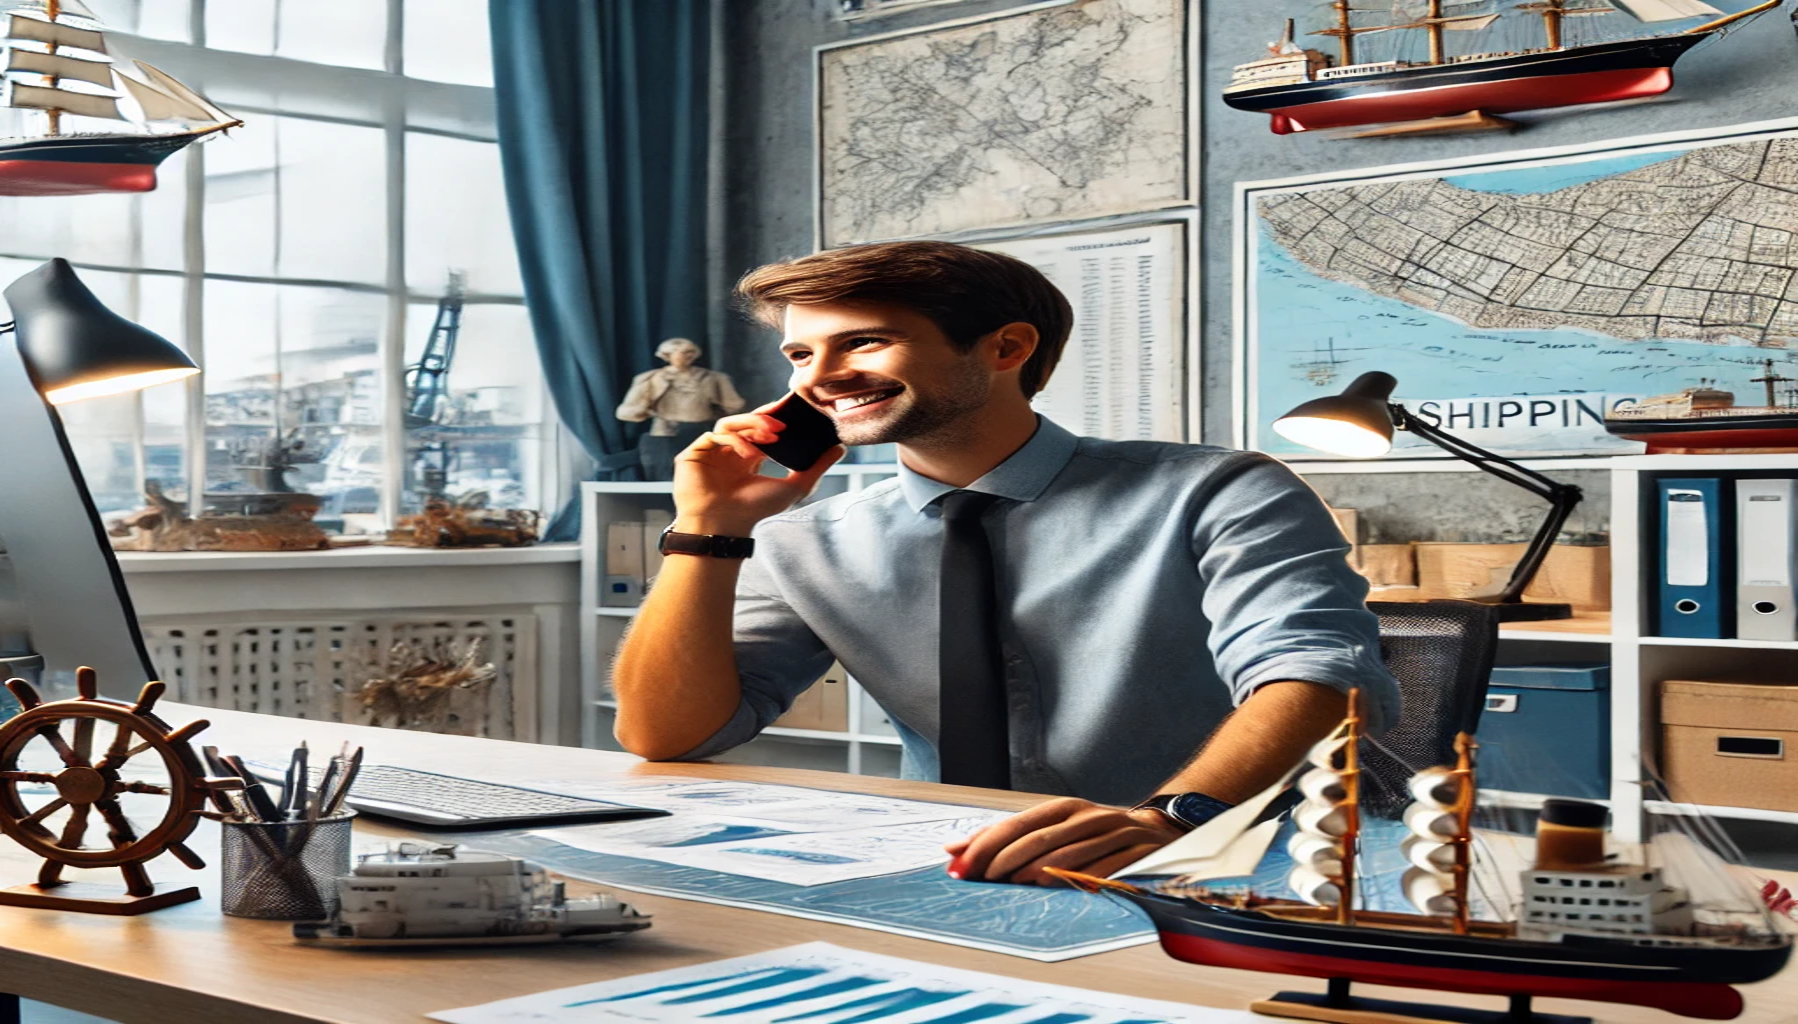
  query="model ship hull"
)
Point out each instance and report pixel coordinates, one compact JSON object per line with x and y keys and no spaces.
{"x":1693,"y":981}
{"x":1769,"y":430}
{"x":1601,"y":73}
{"x":73,"y":165}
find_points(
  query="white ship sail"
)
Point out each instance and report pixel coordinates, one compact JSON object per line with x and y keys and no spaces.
{"x":1227,"y":839}
{"x":34,"y":49}
{"x":1437,"y":848}
{"x":1328,"y":820}
{"x":1666,"y":10}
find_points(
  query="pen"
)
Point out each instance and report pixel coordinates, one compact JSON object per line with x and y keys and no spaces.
{"x":344,"y":784}
{"x":296,"y":808}
{"x":315,"y":807}
{"x":260,"y":804}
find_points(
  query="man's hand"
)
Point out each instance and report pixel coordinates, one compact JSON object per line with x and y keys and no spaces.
{"x":1076,"y":835}
{"x":718,"y":486}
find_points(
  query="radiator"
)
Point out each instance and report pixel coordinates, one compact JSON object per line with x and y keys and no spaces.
{"x":310,"y":669}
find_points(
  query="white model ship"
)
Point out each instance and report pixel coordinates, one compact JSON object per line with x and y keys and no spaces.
{"x":416,"y":894}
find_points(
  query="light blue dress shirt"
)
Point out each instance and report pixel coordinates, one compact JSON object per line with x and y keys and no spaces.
{"x":1144,"y":589}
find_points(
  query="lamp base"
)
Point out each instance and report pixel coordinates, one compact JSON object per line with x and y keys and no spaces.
{"x":1533,"y":612}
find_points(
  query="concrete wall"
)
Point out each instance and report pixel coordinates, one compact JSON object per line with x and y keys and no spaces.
{"x":1751,"y":75}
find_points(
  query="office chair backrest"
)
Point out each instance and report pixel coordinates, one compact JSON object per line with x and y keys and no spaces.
{"x":1441,"y":654}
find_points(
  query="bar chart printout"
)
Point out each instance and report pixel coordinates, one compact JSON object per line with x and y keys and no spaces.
{"x":819,"y":983}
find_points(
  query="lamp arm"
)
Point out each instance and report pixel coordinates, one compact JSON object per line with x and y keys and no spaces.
{"x":1562,"y":498}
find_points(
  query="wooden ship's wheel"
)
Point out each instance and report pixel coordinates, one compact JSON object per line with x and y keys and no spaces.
{"x":145,"y":770}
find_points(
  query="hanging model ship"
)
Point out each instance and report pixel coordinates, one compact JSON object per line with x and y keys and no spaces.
{"x":1563,"y":53}
{"x":1588,"y":926}
{"x":51,"y":44}
{"x":1706,"y":417}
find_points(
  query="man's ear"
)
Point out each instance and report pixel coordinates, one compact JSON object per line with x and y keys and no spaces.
{"x":1014,"y":345}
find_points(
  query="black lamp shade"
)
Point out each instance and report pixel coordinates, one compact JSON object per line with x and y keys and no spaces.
{"x":1357,"y":422}
{"x":76,"y":348}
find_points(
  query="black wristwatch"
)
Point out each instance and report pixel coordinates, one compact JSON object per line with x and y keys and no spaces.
{"x":1187,"y":810}
{"x":717,"y":546}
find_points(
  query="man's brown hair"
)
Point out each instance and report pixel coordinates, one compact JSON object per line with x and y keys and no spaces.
{"x":968,"y":293}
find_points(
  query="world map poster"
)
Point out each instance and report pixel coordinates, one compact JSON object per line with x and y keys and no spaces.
{"x":1517,"y":302}
{"x":1056,"y":112}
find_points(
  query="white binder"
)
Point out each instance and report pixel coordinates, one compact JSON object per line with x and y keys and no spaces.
{"x":1766,"y":605}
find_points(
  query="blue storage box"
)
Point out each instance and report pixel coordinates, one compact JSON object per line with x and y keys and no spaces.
{"x":1547,"y":729}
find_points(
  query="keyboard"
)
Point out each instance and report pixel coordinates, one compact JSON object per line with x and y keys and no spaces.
{"x":447,"y":802}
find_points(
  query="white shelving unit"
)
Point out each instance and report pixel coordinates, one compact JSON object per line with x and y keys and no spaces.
{"x":603,"y":627}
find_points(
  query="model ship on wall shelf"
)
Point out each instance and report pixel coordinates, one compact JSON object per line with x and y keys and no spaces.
{"x":1446,"y":66}
{"x":40,"y":66}
{"x":1707,"y":418}
{"x":1668,"y":927}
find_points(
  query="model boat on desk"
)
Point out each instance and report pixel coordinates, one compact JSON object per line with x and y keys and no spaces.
{"x":1706,"y":417}
{"x":1589,"y":925}
{"x":39,"y":67}
{"x":1471,"y":60}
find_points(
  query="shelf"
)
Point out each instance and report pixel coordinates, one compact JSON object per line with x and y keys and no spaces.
{"x":1436,"y":464}
{"x":366,"y":556}
{"x":1655,"y":463}
{"x":1738,"y":813}
{"x":1584,"y":627}
{"x":621,"y":613}
{"x":1750,"y":645}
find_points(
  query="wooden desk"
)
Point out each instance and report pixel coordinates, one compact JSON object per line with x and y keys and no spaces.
{"x":190,"y":964}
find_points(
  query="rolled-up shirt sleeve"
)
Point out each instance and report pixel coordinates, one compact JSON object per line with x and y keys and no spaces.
{"x":778,"y":658}
{"x":1281,"y":598}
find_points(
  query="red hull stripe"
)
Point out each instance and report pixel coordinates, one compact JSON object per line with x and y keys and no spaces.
{"x":1502,"y":97}
{"x":71,"y":178}
{"x":1766,"y":437}
{"x":1687,"y":998}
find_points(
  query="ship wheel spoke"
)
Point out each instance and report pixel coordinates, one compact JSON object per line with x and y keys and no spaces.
{"x":27,"y":777}
{"x":84,"y":740}
{"x":141,"y":787}
{"x":53,"y":736}
{"x":115,"y":754}
{"x":75,"y":828}
{"x":119,"y":828}
{"x":44,"y":812}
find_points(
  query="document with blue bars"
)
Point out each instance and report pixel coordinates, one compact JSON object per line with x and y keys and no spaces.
{"x":819,"y":983}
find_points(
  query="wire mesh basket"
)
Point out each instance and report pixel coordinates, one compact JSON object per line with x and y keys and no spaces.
{"x":284,"y":870}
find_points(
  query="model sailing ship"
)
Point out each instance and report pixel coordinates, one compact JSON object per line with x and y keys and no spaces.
{"x":1304,"y":89}
{"x":1589,"y":926}
{"x":1707,"y":417}
{"x":422,"y":895}
{"x":39,"y":64}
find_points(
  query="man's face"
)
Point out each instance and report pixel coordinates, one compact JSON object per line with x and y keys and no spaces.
{"x":681,"y":356}
{"x":883,"y":373}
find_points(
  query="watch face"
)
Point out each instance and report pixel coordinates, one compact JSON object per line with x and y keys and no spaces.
{"x":1196,"y":808}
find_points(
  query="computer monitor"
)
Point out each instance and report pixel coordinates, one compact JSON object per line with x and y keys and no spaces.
{"x":62,"y":593}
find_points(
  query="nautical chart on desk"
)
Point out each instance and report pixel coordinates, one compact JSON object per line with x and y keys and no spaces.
{"x":825,"y":984}
{"x":1519,"y":298}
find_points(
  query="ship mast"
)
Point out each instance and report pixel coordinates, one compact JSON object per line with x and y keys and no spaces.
{"x":1769,"y":378}
{"x":53,"y":8}
{"x":1351,"y":784}
{"x":1463,"y":812}
{"x":1433,"y":21}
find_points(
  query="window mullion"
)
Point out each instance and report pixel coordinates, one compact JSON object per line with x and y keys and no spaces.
{"x":393,"y":339}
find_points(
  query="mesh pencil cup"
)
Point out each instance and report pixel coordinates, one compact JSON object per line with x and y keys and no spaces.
{"x":284,"y":870}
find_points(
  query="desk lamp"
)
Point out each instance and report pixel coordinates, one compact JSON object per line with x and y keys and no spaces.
{"x":66,"y":598}
{"x":1359,"y":423}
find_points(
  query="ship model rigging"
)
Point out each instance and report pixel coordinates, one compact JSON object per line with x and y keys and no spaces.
{"x":1589,"y":924}
{"x":55,"y":43}
{"x":1447,"y":66}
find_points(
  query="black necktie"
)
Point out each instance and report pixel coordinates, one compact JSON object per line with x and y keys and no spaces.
{"x":973,"y":732}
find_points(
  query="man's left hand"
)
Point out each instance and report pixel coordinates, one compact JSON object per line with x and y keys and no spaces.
{"x":1075,"y":835}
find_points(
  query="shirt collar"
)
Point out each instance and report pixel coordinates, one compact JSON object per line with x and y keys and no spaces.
{"x":1021,"y":477}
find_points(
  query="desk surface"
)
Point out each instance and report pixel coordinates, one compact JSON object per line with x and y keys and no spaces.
{"x":193,"y":964}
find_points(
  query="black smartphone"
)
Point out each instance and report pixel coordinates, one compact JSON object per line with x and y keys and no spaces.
{"x":809,"y":434}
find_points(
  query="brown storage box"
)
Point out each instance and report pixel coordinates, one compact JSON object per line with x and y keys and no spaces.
{"x":824,"y":706}
{"x":1577,"y":575}
{"x":1387,"y":565}
{"x":1730,"y":744}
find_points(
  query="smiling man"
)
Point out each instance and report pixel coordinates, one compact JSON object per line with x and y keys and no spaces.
{"x":1059,"y":614}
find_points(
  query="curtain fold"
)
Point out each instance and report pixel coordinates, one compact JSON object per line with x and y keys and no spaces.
{"x":602,"y":133}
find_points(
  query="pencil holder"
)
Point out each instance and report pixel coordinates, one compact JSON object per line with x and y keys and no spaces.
{"x":284,"y":870}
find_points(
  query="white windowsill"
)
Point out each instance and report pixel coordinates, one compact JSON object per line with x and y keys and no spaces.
{"x":373,"y":556}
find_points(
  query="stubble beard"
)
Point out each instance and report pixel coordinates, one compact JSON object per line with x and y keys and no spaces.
{"x":928,"y":420}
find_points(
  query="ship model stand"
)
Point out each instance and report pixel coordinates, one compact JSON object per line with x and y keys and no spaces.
{"x":39,"y":63}
{"x":1588,"y":926}
{"x":89,"y":790}
{"x":1304,"y":89}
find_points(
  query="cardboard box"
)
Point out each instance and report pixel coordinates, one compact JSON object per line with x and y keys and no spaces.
{"x":824,"y":706}
{"x":1730,"y":744}
{"x":1575,"y":574}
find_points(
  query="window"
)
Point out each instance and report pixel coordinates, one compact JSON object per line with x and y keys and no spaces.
{"x":303,"y":260}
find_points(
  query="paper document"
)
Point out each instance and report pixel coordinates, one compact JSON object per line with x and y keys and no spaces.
{"x":826,"y":984}
{"x":792,"y":807}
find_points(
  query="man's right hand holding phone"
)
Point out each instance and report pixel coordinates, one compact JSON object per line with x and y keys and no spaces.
{"x":718,"y":484}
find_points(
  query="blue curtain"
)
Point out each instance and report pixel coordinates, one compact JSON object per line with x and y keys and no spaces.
{"x":602,"y":132}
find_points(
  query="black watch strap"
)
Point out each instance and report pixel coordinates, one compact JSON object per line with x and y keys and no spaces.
{"x":715,"y":545}
{"x":1187,"y":810}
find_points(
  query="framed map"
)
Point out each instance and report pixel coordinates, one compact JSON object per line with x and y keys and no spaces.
{"x":1517,"y":300}
{"x":1055,"y":111}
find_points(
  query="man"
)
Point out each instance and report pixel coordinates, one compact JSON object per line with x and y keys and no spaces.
{"x":1138,"y":588}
